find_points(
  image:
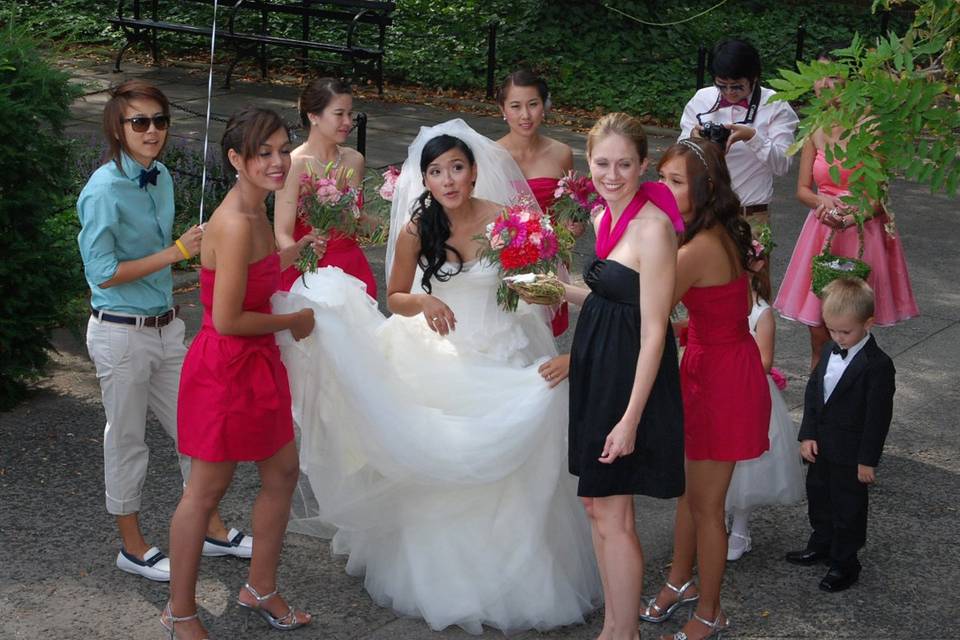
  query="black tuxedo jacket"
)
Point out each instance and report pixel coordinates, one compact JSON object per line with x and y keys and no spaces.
{"x":850,"y":428}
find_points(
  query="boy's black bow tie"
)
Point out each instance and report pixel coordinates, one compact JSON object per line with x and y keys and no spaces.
{"x":148,"y":176}
{"x":842,"y":352}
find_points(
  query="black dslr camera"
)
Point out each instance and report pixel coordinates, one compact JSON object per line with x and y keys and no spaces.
{"x":715,"y":132}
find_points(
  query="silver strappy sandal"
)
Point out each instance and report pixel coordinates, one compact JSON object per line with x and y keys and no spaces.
{"x":655,"y":613}
{"x":286,"y":622}
{"x":168,"y":617}
{"x":716,"y":629}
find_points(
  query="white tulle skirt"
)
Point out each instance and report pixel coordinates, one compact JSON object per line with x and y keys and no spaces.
{"x":439,"y":464}
{"x":776,"y":477}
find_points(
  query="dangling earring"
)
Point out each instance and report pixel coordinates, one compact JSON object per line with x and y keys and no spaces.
{"x":428,"y":200}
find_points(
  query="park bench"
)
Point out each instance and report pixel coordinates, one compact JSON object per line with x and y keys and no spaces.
{"x":314,"y":15}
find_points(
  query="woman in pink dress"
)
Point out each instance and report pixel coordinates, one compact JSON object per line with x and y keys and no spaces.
{"x":881,"y":245}
{"x":234,"y":397}
{"x":726,"y":403}
{"x":524,"y":100}
{"x":326,"y":109}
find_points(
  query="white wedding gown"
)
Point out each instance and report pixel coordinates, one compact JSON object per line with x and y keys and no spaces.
{"x":440,"y":462}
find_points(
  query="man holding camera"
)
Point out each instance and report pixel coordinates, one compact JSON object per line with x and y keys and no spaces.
{"x":737,"y":114}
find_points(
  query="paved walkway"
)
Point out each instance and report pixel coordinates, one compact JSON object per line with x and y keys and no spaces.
{"x":57,"y":544}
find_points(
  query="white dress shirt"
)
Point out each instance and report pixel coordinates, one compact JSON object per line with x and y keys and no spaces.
{"x":837,"y":365}
{"x":753,"y":163}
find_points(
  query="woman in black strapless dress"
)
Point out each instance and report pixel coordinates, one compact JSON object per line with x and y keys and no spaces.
{"x":626,"y":416}
{"x":603,"y":365}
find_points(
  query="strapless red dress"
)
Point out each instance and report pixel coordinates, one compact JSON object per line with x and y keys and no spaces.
{"x":726,"y":400}
{"x":543,"y":190}
{"x":342,"y":251}
{"x":234,"y":399}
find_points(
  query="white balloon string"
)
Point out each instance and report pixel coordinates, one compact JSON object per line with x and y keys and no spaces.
{"x":206,"y":128}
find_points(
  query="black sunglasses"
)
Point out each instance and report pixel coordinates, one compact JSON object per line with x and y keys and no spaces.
{"x":140,"y":124}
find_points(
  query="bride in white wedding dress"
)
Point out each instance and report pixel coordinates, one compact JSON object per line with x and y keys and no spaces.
{"x":433,"y":450}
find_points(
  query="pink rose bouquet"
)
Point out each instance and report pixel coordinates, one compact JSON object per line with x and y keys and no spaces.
{"x":389,"y":185}
{"x":328,"y":204}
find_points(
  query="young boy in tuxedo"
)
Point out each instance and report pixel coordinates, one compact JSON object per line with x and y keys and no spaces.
{"x":846,"y":415}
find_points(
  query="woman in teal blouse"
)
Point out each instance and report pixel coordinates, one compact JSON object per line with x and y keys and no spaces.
{"x":134,"y":335}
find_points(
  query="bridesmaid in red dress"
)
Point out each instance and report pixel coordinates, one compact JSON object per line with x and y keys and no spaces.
{"x":726,"y":403}
{"x":524,"y":99}
{"x":234,"y":397}
{"x":326,"y":110}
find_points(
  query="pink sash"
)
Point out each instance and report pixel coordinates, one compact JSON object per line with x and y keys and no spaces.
{"x":655,"y":192}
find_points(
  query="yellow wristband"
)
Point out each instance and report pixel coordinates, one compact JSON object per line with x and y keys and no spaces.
{"x":183,"y":249}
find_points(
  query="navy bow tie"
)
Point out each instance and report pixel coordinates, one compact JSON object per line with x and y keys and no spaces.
{"x":739,"y":103}
{"x":148,"y":176}
{"x":841,"y":352}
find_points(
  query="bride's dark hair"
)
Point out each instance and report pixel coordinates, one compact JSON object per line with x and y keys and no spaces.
{"x":433,"y":225}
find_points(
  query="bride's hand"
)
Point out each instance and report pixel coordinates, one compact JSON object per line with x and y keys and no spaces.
{"x":620,"y":442}
{"x":555,"y":370}
{"x":438,"y":315}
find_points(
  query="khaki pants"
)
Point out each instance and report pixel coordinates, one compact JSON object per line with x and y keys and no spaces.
{"x":755,"y":219}
{"x":137,"y":367}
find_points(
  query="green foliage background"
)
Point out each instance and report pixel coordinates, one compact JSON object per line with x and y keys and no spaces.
{"x":895,"y":106}
{"x":593,"y":57}
{"x":41,"y":277}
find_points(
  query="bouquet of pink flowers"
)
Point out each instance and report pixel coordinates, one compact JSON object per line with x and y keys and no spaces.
{"x":575,"y":198}
{"x":523,"y":242}
{"x":328,"y":204}
{"x":389,"y":186}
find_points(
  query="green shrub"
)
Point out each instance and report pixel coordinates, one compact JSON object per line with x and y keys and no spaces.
{"x":40,"y":274}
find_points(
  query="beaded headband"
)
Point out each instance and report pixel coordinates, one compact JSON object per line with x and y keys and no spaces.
{"x":690,"y":144}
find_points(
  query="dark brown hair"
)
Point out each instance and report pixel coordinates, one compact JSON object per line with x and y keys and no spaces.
{"x":318,"y":94}
{"x":113,"y":114}
{"x":711,"y":197}
{"x":620,"y":124}
{"x":248,"y":129}
{"x":523,"y":78}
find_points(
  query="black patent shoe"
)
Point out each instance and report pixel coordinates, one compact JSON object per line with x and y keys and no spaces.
{"x":807,"y":557}
{"x":839,"y":579}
